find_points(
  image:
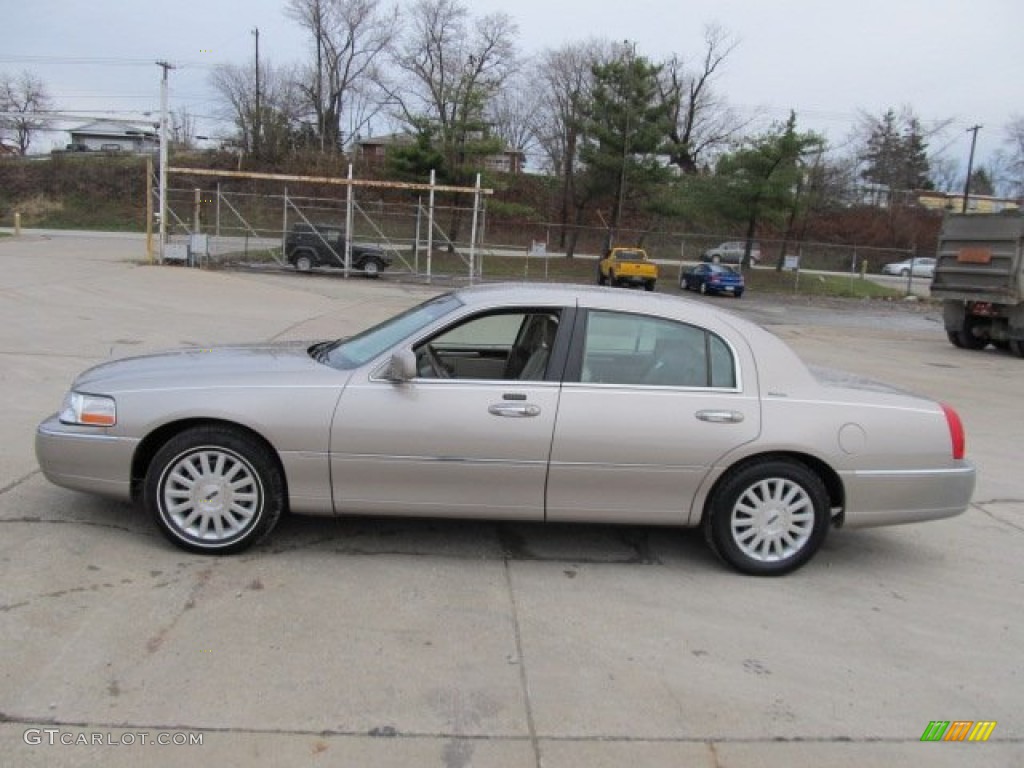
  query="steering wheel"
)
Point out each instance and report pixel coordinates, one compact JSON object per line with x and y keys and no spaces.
{"x":439,"y":369}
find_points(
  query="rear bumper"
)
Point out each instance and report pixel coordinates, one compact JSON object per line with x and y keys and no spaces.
{"x":893,"y":497}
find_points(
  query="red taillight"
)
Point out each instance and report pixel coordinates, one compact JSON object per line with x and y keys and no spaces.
{"x":956,"y":431}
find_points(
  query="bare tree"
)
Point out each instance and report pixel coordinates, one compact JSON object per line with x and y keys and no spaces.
{"x":23,"y":103}
{"x":183,"y":128}
{"x":945,"y":173}
{"x":279,"y":106}
{"x":701,"y":120}
{"x":513,"y":114}
{"x":341,"y":86}
{"x":566,"y":76}
{"x":1010,"y":159}
{"x":454,"y":66}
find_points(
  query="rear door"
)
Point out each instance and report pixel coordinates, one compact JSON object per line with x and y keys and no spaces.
{"x":648,"y":405}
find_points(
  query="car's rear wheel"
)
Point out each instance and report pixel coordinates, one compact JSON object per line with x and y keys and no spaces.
{"x":214,"y":489}
{"x":768,"y":518}
{"x":1017,"y":347}
{"x":372,"y":267}
{"x":601,"y":279}
{"x":649,"y":285}
{"x":303,"y":263}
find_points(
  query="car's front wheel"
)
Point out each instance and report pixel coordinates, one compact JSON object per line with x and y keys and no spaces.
{"x":214,"y":489}
{"x":769,"y":517}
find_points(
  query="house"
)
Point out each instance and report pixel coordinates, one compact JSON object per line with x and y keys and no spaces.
{"x":952,"y":201}
{"x":373,"y":151}
{"x":115,"y":136}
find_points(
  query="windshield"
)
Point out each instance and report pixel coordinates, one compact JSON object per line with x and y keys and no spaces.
{"x":360,"y":349}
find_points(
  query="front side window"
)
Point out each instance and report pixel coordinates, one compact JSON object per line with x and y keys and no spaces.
{"x":636,"y":350}
{"x":505,"y":345}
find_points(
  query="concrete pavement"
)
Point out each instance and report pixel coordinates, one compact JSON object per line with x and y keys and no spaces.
{"x":417,"y":642}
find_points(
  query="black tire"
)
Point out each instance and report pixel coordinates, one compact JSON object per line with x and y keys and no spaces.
{"x":790,"y":495}
{"x":303,"y":262}
{"x":612,"y":279}
{"x":649,"y":285}
{"x":1016,"y":346}
{"x":601,"y":279}
{"x":968,"y":339}
{"x":229,"y":485}
{"x":738,"y":294}
{"x":1001,"y":344}
{"x":954,"y":339}
{"x":372,"y":267}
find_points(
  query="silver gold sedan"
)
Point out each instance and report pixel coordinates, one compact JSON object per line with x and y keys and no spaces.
{"x":558,"y":403}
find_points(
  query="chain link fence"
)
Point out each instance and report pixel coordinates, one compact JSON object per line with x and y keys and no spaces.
{"x":237,"y":228}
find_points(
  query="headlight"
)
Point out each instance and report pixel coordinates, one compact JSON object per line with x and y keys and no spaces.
{"x":88,"y":410}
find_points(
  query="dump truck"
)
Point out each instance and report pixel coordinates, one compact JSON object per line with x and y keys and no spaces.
{"x":979,"y":275}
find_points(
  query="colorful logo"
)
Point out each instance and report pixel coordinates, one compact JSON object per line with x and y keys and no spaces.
{"x":958,"y":730}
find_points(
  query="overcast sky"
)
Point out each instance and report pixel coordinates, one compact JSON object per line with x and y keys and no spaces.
{"x":828,"y":60}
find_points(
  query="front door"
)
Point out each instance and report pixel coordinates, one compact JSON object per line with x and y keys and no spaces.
{"x":470,"y":436}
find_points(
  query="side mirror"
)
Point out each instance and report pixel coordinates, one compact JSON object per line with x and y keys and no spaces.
{"x":403,"y":366}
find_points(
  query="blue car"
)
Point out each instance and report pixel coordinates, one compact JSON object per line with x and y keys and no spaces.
{"x":712,"y":278}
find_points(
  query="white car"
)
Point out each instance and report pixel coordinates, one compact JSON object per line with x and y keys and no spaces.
{"x":732,"y":253}
{"x":923,"y":266}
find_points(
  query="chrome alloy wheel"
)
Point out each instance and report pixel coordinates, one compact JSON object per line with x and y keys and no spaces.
{"x":772,"y":520}
{"x":210,"y":495}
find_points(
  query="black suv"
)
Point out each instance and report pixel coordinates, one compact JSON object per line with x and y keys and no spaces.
{"x":323,"y":245}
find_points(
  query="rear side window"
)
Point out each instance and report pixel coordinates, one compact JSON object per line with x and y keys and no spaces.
{"x":636,"y":350}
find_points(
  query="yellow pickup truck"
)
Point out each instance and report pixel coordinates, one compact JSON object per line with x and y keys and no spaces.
{"x":627,"y":266}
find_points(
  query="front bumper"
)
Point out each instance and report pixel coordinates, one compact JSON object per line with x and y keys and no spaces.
{"x":85,"y":459}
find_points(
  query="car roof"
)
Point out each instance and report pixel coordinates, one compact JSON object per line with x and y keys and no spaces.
{"x":593,"y":297}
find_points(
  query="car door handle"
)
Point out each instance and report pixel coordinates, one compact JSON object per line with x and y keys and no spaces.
{"x":720,"y":417}
{"x":513,"y":410}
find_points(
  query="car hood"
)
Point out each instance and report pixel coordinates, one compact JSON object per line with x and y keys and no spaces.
{"x":206,"y":366}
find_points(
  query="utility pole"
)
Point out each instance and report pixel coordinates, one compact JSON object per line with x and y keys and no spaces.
{"x":163,"y":155}
{"x":257,"y":121}
{"x":970,"y":165}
